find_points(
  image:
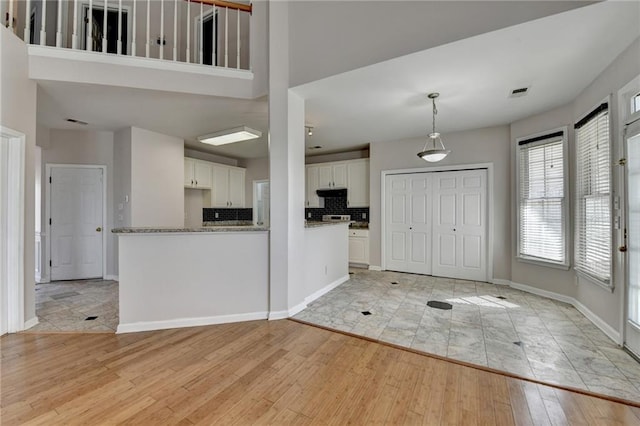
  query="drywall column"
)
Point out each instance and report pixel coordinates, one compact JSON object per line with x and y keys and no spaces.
{"x":286,"y":166}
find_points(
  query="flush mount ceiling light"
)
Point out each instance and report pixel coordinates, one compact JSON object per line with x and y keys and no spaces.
{"x":434,"y":154}
{"x":309,"y":130}
{"x":224,"y":137}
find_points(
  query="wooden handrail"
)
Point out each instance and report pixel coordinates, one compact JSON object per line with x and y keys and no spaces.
{"x":223,"y":3}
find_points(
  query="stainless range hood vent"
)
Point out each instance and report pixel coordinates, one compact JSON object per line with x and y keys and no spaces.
{"x":332,"y":193}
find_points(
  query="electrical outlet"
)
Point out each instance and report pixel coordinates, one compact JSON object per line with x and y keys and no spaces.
{"x":216,"y":215}
{"x":364,"y":215}
{"x":309,"y":215}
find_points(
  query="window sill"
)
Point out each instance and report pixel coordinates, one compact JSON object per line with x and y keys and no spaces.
{"x":594,"y":280}
{"x":539,"y":262}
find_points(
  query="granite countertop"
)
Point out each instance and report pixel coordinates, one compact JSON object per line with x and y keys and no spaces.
{"x":204,"y":229}
{"x":318,"y":224}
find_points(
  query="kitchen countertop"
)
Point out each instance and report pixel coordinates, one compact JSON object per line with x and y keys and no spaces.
{"x":318,"y":224}
{"x":204,"y":229}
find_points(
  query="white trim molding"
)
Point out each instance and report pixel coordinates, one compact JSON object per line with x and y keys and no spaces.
{"x":13,"y":199}
{"x":595,"y":319}
{"x":189,"y":322}
{"x":276,"y":315}
{"x":375,"y":268}
{"x":111,"y":277}
{"x":31,"y":323}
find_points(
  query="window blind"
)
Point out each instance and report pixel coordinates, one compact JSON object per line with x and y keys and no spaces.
{"x":593,"y":195}
{"x":541,"y":227}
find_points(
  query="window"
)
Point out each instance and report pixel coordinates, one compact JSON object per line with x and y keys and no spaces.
{"x":635,"y":103}
{"x":542,"y":205}
{"x":593,"y":196}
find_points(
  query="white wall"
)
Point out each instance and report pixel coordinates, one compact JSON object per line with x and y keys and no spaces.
{"x":85,"y":147}
{"x":207,"y":156}
{"x":194,"y":202}
{"x":256,"y":169}
{"x":489,"y":145}
{"x":18,"y":112}
{"x":330,"y":37}
{"x":326,"y":260}
{"x":157,"y":176}
{"x":339,"y":156}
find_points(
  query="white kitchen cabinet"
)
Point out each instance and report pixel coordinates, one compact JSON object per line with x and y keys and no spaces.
{"x":312,"y":185}
{"x":228,"y":186}
{"x":332,"y":175}
{"x":359,"y":246}
{"x":197,"y":173}
{"x":358,"y":183}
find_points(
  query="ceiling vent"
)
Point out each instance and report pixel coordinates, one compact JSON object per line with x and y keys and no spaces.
{"x":73,"y":120}
{"x":521,"y":91}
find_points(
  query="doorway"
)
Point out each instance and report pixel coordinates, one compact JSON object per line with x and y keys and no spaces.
{"x":98,"y":30}
{"x":76,"y":211}
{"x":436,"y":223}
{"x":206,"y":36}
{"x":261,"y":202}
{"x":632,"y":240}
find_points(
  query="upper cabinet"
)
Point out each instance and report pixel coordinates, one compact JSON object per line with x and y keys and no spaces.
{"x":228,"y":186}
{"x":197,"y":173}
{"x":332,"y":175}
{"x":351,"y":174}
{"x":358,"y":183}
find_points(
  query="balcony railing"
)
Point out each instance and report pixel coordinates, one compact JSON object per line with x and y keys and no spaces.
{"x":204,"y":32}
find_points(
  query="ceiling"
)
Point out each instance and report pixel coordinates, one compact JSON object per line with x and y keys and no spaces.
{"x":557,"y":57}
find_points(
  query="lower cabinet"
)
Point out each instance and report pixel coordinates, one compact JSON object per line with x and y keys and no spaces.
{"x":359,"y":246}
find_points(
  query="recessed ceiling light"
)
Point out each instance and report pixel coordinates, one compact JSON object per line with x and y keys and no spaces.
{"x":237,"y":134}
{"x":73,"y":120}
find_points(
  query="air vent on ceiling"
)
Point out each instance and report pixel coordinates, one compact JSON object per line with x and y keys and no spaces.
{"x":521,"y":91}
{"x":73,"y":120}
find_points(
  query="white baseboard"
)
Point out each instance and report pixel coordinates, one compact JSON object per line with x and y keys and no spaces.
{"x":500,"y":281}
{"x":43,"y":280}
{"x":110,"y":277}
{"x":375,"y":268}
{"x":595,"y":319}
{"x":278,"y":315}
{"x":603,"y":326}
{"x":326,"y":289}
{"x":544,"y":293}
{"x":299,"y":307}
{"x":30,"y":323}
{"x":188,"y":322}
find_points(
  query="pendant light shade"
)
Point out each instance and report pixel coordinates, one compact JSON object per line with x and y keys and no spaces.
{"x":435,"y":153}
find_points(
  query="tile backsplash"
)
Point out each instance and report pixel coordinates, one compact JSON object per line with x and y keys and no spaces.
{"x":225,"y":214}
{"x":337,"y":205}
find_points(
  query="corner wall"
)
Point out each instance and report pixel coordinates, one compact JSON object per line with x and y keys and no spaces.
{"x":18,"y":112}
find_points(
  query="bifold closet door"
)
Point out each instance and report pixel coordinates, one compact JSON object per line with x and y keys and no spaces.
{"x":460,"y":224}
{"x":408,"y":222}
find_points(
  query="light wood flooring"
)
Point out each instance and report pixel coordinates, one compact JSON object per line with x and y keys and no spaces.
{"x":266,"y":372}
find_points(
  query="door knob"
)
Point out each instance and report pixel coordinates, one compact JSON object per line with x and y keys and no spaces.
{"x":622,"y":249}
{"x":99,"y":229}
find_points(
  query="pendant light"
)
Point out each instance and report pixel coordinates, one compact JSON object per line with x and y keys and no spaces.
{"x":434,"y":154}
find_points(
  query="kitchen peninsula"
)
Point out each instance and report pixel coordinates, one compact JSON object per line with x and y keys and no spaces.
{"x":183,"y":277}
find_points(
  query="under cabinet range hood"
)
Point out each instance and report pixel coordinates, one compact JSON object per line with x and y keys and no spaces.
{"x":332,"y":193}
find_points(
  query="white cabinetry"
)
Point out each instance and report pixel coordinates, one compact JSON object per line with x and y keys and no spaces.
{"x":313,"y":184}
{"x":197,"y":174}
{"x":358,"y":183}
{"x":359,"y":246}
{"x":332,"y":175}
{"x":228,"y":186}
{"x":351,"y":174}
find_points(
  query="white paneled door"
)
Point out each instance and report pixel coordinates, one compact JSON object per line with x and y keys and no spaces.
{"x":408,"y":223}
{"x":460,"y":225}
{"x":76,"y":223}
{"x":436,"y":223}
{"x":632,"y":327}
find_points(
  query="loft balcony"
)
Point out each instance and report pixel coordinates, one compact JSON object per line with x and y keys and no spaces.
{"x":196,"y":46}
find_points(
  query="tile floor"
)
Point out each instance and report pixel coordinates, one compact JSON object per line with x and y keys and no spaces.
{"x":65,"y":306}
{"x":489,"y":325}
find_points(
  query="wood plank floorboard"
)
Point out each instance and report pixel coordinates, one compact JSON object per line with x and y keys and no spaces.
{"x":267,"y":372}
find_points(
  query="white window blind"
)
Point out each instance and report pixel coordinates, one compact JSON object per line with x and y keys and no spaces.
{"x":593,"y":195}
{"x":541,"y":220}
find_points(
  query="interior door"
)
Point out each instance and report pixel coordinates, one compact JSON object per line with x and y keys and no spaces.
{"x":460,"y":225}
{"x":632,"y":326}
{"x":76,"y":223}
{"x":408,"y":223}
